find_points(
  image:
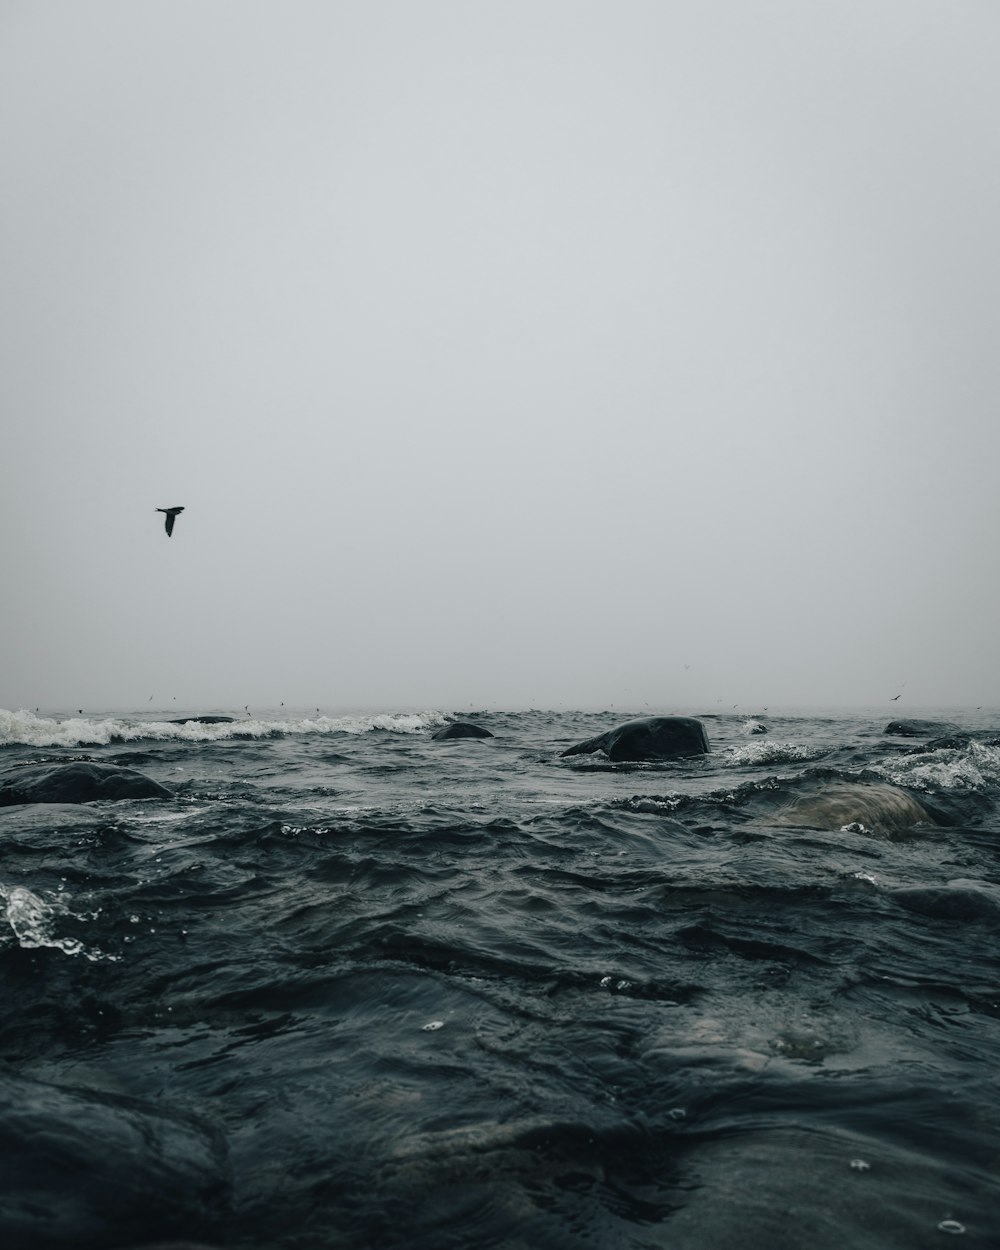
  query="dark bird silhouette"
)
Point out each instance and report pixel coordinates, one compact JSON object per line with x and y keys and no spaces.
{"x":172,"y":514}
{"x":894,"y":698}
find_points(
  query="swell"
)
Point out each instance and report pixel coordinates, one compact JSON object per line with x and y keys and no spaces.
{"x":486,"y":999}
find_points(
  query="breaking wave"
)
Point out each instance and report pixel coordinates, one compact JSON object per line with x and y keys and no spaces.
{"x":24,"y":728}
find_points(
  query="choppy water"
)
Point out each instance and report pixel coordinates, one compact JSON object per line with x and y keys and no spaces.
{"x":353,"y":987}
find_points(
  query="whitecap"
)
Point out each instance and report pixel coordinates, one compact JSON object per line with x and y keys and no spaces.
{"x":755,"y":753}
{"x":974,"y":766}
{"x":23,"y":728}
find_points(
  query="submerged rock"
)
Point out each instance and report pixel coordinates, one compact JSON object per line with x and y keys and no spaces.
{"x":462,"y":729}
{"x":874,"y":805}
{"x":650,"y":738}
{"x":77,"y":783}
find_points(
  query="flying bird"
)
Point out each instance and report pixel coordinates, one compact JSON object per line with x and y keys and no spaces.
{"x":172,"y":514}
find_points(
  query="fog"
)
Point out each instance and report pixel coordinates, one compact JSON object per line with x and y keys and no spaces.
{"x":509,"y":354}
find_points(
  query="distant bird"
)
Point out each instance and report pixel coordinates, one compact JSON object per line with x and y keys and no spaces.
{"x":894,"y":698}
{"x":172,"y":514}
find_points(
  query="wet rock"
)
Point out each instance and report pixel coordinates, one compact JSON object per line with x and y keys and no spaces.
{"x":919,"y":728}
{"x":77,"y":783}
{"x":650,"y":738}
{"x":203,"y":720}
{"x":462,"y":729}
{"x":873,"y":805}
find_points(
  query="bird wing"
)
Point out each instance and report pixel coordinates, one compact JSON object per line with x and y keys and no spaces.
{"x":170,"y":523}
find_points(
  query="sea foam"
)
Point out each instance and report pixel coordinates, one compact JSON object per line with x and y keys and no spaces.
{"x":24,"y":728}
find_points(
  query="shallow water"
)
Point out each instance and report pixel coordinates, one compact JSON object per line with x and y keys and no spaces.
{"x":355,"y":987}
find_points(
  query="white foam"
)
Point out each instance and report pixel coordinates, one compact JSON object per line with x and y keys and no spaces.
{"x":768,"y":752}
{"x":974,"y":766}
{"x":33,"y":919}
{"x":24,"y":728}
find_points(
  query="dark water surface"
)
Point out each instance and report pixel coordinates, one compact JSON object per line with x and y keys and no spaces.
{"x":353,"y":987}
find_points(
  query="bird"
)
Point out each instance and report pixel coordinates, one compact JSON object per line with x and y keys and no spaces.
{"x":171,"y":517}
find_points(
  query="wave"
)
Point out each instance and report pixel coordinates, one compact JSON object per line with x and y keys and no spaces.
{"x":24,"y":728}
{"x":971,"y":766}
{"x":756,"y":753}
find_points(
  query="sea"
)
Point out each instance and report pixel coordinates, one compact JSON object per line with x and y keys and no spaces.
{"x":350,"y":986}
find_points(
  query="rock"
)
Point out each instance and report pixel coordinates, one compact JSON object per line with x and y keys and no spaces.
{"x":462,"y":729}
{"x":203,"y":720}
{"x":77,"y":783}
{"x":874,"y":805}
{"x":919,"y":728}
{"x":650,"y":738}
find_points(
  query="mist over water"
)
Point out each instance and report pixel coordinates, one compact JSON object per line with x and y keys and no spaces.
{"x":507,"y":356}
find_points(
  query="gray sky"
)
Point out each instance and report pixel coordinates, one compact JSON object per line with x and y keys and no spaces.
{"x":505,"y":353}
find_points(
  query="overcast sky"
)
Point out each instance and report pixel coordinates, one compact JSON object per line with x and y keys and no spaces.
{"x":508,"y":353}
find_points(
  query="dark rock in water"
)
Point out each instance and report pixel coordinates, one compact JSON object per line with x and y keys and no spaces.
{"x":919,"y":728}
{"x":950,"y":742}
{"x":958,"y":740}
{"x":203,"y":720}
{"x":88,"y":1168}
{"x":651,"y":738}
{"x":462,"y":729}
{"x":77,"y":783}
{"x":873,"y":805}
